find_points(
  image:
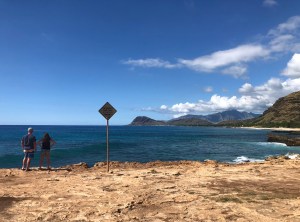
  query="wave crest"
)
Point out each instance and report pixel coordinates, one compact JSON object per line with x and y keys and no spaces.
{"x":270,"y":144}
{"x":244,"y":159}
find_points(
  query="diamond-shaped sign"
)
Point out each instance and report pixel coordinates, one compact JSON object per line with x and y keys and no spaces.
{"x":107,"y":111}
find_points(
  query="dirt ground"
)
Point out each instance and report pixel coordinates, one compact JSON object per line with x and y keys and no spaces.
{"x":156,"y":191}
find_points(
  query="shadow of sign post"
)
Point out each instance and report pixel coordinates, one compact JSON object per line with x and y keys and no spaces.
{"x":107,"y":111}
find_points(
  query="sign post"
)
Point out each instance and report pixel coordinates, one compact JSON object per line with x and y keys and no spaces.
{"x":107,"y":111}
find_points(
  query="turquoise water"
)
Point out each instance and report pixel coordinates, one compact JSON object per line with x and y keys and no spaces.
{"x":143,"y":144}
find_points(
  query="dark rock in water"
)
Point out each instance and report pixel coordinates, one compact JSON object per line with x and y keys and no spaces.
{"x":289,"y":141}
{"x":280,"y":157}
{"x":269,"y":158}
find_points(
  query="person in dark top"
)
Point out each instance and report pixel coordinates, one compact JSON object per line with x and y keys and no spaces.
{"x":46,"y":143}
{"x":28,"y":143}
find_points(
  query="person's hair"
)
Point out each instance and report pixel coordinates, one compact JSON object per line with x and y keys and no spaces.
{"x":46,"y":137}
{"x":30,"y":130}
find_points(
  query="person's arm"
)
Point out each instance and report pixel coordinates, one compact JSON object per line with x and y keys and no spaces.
{"x":52,"y":143}
{"x":22,"y":143}
{"x":39,"y":143}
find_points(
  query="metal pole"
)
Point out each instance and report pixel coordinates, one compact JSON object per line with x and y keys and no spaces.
{"x":107,"y":146}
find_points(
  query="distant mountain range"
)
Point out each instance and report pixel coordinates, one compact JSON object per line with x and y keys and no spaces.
{"x":285,"y":112}
{"x":195,"y":120}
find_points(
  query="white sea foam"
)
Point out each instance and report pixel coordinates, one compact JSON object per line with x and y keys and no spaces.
{"x":293,"y":155}
{"x":244,"y":159}
{"x":270,"y":144}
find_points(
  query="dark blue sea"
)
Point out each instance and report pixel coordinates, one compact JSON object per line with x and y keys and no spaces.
{"x":142,"y":144}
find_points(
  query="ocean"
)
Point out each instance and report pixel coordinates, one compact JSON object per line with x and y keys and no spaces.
{"x":142,"y":144}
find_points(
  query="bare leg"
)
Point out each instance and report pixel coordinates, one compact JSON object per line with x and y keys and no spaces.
{"x":28,"y":163}
{"x":42,"y":159}
{"x":48,"y":159}
{"x":24,"y":163}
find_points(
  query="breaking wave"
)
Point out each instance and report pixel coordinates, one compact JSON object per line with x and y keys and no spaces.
{"x":244,"y":159}
{"x":292,"y":155}
{"x":270,"y":144}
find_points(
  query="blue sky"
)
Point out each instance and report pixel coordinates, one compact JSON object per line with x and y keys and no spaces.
{"x":60,"y":61}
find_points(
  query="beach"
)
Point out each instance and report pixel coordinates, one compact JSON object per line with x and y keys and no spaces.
{"x":154,"y":191}
{"x":283,"y":129}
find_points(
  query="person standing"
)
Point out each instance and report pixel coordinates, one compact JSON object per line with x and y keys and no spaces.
{"x":28,"y":143}
{"x":45,"y":143}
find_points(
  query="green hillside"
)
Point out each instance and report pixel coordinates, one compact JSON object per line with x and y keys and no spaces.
{"x":284,"y":113}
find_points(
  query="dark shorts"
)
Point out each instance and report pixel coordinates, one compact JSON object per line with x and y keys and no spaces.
{"x":29,"y":155}
{"x":45,"y":151}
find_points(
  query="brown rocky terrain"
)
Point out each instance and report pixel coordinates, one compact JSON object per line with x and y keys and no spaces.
{"x":156,"y":191}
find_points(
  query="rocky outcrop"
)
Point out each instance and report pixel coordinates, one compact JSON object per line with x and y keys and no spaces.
{"x":146,"y":121}
{"x":289,"y":141}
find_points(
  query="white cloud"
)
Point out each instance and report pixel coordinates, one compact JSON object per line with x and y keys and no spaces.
{"x":247,"y":88}
{"x":208,"y":89}
{"x":242,"y":53}
{"x":293,"y":67}
{"x":291,"y":25}
{"x":282,"y":39}
{"x":221,"y":103}
{"x":163,"y":107}
{"x":252,"y":99}
{"x":291,"y":85}
{"x":236,"y":71}
{"x":151,"y":63}
{"x":269,"y":3}
{"x":179,"y":115}
{"x":282,"y":43}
